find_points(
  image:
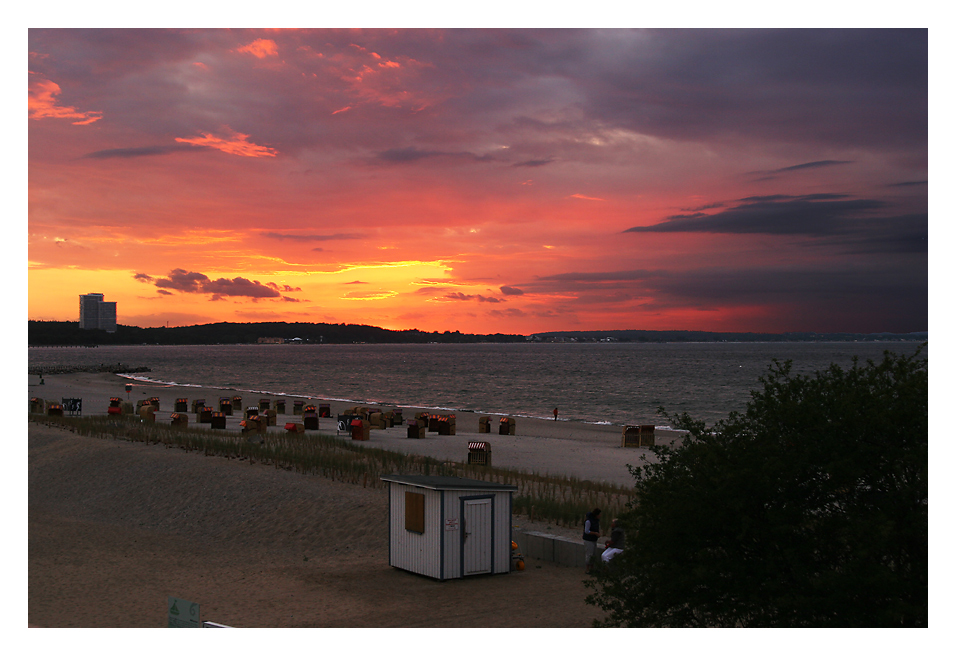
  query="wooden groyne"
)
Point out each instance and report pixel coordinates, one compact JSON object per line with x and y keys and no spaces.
{"x":117,"y":368}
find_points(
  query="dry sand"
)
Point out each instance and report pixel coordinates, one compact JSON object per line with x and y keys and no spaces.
{"x":116,"y":527}
{"x":587,"y":451}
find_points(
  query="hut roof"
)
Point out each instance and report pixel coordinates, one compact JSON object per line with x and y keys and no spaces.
{"x":447,"y":483}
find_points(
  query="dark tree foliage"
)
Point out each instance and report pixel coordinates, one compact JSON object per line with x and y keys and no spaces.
{"x":807,"y":510}
{"x":69,"y":333}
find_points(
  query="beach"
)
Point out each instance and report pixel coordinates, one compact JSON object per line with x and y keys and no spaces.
{"x":128,"y":524}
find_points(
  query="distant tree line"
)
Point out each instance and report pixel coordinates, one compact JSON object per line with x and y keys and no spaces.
{"x":42,"y":333}
{"x":69,"y":333}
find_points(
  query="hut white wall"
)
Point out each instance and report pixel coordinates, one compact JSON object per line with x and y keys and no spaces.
{"x":437,"y":552}
{"x":418,"y":553}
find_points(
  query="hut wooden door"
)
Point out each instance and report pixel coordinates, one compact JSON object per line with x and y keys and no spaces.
{"x":477,"y":536}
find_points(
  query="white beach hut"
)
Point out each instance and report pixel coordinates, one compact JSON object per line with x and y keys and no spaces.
{"x":449,"y":527}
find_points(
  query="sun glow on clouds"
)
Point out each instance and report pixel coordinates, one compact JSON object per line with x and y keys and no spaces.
{"x":235,"y":144}
{"x":368,"y":296}
{"x":366,"y":183}
{"x":41,"y":104}
{"x":260,"y":48}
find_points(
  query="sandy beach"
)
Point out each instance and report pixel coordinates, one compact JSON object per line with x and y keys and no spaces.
{"x":587,"y":451}
{"x":128,"y":524}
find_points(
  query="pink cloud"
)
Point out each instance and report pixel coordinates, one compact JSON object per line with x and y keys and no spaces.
{"x":260,"y":48}
{"x":235,"y":144}
{"x":42,"y":104}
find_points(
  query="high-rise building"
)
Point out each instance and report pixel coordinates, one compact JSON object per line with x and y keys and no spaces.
{"x":96,"y":313}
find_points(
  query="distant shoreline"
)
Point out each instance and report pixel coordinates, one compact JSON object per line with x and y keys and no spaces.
{"x":68,"y":334}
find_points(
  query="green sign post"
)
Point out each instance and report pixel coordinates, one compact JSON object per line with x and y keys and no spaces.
{"x":182,"y":613}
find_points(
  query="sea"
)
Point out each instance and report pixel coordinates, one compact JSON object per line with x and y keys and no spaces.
{"x":595,"y":383}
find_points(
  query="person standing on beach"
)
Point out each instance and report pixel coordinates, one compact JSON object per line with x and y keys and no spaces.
{"x":617,"y":542}
{"x":555,"y":411}
{"x":590,"y":536}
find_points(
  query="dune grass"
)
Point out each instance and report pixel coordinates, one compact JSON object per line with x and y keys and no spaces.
{"x":559,"y":499}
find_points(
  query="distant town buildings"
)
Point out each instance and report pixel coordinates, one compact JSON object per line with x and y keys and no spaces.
{"x":96,"y":313}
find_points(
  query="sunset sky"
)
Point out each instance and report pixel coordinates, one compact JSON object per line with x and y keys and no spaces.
{"x":511,"y":181}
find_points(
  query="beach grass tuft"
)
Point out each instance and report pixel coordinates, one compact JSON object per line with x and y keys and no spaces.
{"x":558,"y":499}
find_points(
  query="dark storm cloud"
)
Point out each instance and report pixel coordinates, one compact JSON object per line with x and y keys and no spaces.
{"x":861,"y":225}
{"x":871,"y":295}
{"x":852,"y":87}
{"x":192,"y":282}
{"x":788,"y":285}
{"x":708,"y":286}
{"x":776,"y":215}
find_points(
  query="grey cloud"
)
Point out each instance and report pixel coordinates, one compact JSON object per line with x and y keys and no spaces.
{"x":507,"y":313}
{"x":864,"y":87}
{"x":413,"y":154}
{"x":533,"y":163}
{"x":909,"y":183}
{"x":408,"y":154}
{"x":812,"y":165}
{"x":831,"y":218}
{"x":143,"y":151}
{"x":183,"y":281}
{"x":508,"y":290}
{"x":192,"y":282}
{"x":458,"y":296}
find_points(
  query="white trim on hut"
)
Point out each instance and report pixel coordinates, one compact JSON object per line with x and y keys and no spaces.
{"x":449,"y":527}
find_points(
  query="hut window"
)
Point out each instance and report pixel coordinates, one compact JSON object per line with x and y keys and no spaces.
{"x":415,"y":512}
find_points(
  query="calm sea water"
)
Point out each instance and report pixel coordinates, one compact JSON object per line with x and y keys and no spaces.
{"x":616,"y":383}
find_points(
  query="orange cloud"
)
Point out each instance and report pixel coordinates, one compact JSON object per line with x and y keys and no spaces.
{"x":586,"y":198}
{"x":260,"y":48}
{"x":234,"y":144}
{"x":41,"y":104}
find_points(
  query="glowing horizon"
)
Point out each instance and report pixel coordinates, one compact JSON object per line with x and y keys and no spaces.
{"x":486,"y":181}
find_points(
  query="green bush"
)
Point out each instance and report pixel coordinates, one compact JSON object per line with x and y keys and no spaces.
{"x":809,"y":509}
